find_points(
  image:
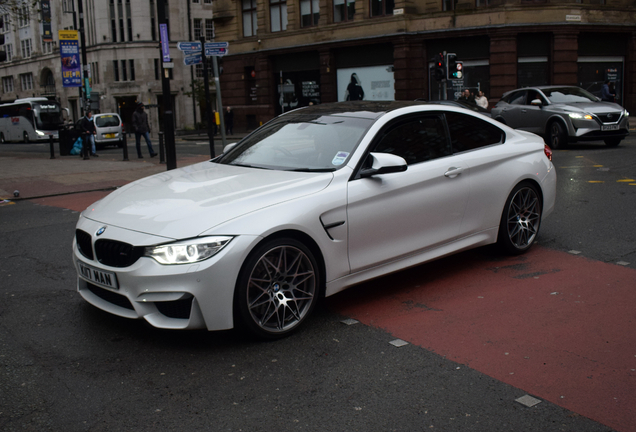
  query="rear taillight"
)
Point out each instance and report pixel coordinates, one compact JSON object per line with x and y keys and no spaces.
{"x":122,"y":128}
{"x":548,"y":152}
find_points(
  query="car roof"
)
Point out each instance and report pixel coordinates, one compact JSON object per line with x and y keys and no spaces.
{"x":105,"y":114}
{"x":361,"y":109}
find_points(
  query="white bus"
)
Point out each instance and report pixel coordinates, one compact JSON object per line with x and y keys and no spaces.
{"x":30,"y":120}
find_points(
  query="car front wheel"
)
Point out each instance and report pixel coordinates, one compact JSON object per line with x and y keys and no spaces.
{"x":277,"y":288}
{"x":558,"y":137}
{"x":520,"y":220}
{"x":613,"y":142}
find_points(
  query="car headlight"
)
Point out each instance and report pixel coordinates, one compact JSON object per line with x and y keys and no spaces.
{"x":626,"y":113}
{"x":187,"y":251}
{"x":581,"y":116}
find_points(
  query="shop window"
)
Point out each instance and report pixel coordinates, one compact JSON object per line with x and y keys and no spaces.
{"x":343,"y":10}
{"x":249,"y":18}
{"x":309,"y":13}
{"x":278,"y":14}
{"x":382,"y":7}
{"x":532,"y":71}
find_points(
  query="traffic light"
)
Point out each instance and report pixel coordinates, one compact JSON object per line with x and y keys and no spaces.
{"x":3,"y":54}
{"x":454,"y":67}
{"x":439,"y":71}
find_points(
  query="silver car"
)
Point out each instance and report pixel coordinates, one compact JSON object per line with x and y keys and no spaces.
{"x":563,"y":114}
{"x":109,"y":130}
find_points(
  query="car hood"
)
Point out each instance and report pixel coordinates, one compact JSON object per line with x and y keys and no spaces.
{"x":589,"y":107}
{"x":185,"y":202}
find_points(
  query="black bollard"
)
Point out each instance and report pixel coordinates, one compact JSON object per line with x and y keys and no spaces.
{"x":51,"y":146}
{"x":162,"y":152}
{"x":125,"y":146}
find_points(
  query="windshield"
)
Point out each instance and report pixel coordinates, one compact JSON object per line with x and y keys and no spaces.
{"x":48,"y":115}
{"x":106,"y":121}
{"x":569,"y":94}
{"x":300,"y":143}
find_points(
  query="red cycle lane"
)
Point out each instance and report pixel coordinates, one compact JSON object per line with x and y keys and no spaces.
{"x":559,"y":326}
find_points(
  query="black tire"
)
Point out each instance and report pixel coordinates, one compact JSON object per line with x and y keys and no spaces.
{"x":277,"y":288}
{"x":520,"y":220}
{"x":25,"y":137}
{"x":557,"y":138}
{"x":120,"y":144}
{"x":2,"y":140}
{"x":613,"y":142}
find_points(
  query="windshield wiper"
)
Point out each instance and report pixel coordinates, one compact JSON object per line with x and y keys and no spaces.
{"x":313,"y":170}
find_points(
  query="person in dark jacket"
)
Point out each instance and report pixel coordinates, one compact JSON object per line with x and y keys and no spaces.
{"x":229,"y":121}
{"x":142,"y":128}
{"x":354,"y":89}
{"x":87,"y":127}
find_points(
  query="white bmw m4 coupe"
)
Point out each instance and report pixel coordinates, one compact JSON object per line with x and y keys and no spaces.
{"x":312,"y":202}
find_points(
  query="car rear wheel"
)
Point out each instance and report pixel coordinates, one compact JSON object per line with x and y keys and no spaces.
{"x":613,"y":142}
{"x":520,"y":220}
{"x":25,"y":137}
{"x":558,"y":137}
{"x":2,"y":140}
{"x":277,"y":288}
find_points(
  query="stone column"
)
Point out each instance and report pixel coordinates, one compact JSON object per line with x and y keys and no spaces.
{"x":328,"y":84}
{"x":564,"y":56}
{"x":410,"y":69}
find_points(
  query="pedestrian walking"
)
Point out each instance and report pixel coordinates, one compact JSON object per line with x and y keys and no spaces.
{"x":229,"y":121}
{"x":142,"y":128}
{"x":87,"y":127}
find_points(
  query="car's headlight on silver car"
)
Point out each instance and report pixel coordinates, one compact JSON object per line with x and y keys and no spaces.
{"x":581,"y":116}
{"x":187,"y":251}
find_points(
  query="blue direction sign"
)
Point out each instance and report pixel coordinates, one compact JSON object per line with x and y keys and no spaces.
{"x":214,"y":45}
{"x":193,"y":59}
{"x":215,"y":51}
{"x":189,"y":46}
{"x":191,"y":52}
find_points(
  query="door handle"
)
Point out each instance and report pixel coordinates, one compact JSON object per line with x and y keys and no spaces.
{"x":453,"y":172}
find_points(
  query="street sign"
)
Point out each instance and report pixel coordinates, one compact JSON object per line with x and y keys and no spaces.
{"x":191,"y":52}
{"x":189,"y":46}
{"x":215,"y":51}
{"x":193,"y":59}
{"x":213,"y":45}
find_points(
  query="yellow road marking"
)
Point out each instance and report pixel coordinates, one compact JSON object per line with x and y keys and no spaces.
{"x":596,"y":181}
{"x":626,"y":181}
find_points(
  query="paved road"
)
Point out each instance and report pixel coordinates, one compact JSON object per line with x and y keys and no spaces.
{"x":482,"y":331}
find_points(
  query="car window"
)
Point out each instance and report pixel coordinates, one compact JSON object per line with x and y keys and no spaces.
{"x":416,"y":139}
{"x":532,"y":95}
{"x":468,"y":132}
{"x":107,"y":121}
{"x":517,"y":98}
{"x":569,"y":94}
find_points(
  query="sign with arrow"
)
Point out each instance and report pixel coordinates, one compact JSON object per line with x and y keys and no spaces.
{"x":189,"y":46}
{"x":193,"y":59}
{"x":215,"y":51}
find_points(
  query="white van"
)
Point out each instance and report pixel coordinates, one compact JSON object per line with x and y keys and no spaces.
{"x":109,"y":130}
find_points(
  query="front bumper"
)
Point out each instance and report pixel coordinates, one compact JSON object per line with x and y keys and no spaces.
{"x":592,"y":130}
{"x":190,"y":296}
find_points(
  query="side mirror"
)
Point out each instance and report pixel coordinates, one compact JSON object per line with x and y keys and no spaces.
{"x":536,"y":102}
{"x":229,"y":147}
{"x":384,"y":163}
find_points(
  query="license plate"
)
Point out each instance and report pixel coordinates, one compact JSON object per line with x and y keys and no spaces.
{"x":610,"y":127}
{"x":112,"y":135}
{"x":99,"y":277}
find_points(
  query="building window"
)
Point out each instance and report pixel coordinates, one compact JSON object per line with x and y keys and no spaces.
{"x":47,"y":47}
{"x":7,"y":84}
{"x":209,"y":29}
{"x":129,"y":20}
{"x":343,"y":10}
{"x":195,"y":1}
{"x":385,"y":7}
{"x":124,"y":75}
{"x":95,"y":72}
{"x":26,"y":80}
{"x":120,"y":14}
{"x":9,"y":50}
{"x":199,"y":68}
{"x":113,"y":21}
{"x":24,"y":18}
{"x":116,"y":69}
{"x":153,"y":21}
{"x":481,"y":3}
{"x":448,"y":5}
{"x":197,"y":28}
{"x":26,"y":48}
{"x":278,"y":14}
{"x":249,"y":18}
{"x":207,"y":1}
{"x":309,"y":13}
{"x":6,"y":20}
{"x":131,"y":66}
